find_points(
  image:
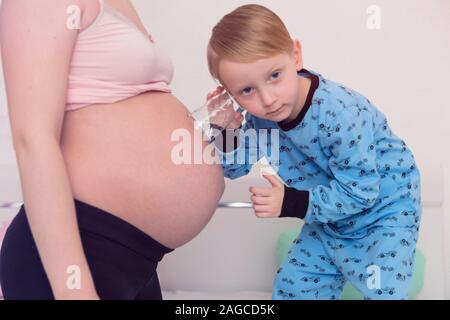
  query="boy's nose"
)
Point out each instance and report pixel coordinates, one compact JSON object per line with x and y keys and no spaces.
{"x":268,"y":98}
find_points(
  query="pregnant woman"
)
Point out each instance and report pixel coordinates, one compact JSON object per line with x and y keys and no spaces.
{"x":92,"y":116}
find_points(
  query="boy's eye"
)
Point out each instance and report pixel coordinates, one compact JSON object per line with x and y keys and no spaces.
{"x":275,"y":75}
{"x":247,"y":91}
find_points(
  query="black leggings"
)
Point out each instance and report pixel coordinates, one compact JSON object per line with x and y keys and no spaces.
{"x":121,"y":258}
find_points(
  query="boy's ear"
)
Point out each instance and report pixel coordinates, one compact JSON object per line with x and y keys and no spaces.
{"x":298,"y":58}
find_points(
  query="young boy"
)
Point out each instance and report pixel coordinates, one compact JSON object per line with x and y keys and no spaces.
{"x":347,"y":175}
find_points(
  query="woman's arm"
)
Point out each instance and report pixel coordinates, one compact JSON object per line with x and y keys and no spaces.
{"x":36,"y":47}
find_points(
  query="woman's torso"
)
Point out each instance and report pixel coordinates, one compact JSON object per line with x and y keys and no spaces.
{"x":118,"y":157}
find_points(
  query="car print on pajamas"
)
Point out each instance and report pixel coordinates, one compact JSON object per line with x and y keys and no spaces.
{"x":284,"y":294}
{"x":363,"y":277}
{"x":370,"y":246}
{"x":387,"y":268}
{"x":314,"y":235}
{"x":404,"y":243}
{"x":310,"y":279}
{"x":289,"y":281}
{"x":400,"y":277}
{"x":355,"y":260}
{"x":391,"y":254}
{"x":320,"y":269}
{"x":285,"y":149}
{"x":296,"y":180}
{"x":306,"y":252}
{"x":326,"y":259}
{"x":390,"y":291}
{"x":333,"y":247}
{"x":389,"y":234}
{"x":297,"y":263}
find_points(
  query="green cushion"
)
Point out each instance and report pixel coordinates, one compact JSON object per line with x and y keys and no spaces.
{"x":350,"y":293}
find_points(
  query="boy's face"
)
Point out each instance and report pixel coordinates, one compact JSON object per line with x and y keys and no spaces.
{"x":268,"y":88}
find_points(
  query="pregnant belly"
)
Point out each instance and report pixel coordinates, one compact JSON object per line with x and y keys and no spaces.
{"x":119,"y":159}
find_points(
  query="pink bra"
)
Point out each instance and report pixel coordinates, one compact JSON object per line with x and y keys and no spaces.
{"x":114,"y":60}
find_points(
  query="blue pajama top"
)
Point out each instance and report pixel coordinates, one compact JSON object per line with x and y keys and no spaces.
{"x":340,"y":161}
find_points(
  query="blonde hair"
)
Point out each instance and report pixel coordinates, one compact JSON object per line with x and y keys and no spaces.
{"x":249,"y":33}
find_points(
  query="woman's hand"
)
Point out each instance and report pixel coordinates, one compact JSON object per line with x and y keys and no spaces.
{"x":227,"y":117}
{"x":268,"y":202}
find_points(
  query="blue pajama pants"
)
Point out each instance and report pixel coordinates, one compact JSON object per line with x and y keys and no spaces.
{"x":379,"y":264}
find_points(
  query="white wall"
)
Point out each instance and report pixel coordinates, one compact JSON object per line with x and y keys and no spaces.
{"x":403,"y":68}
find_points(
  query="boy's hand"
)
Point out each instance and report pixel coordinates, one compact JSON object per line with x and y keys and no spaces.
{"x":268,"y":202}
{"x":221,"y":118}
